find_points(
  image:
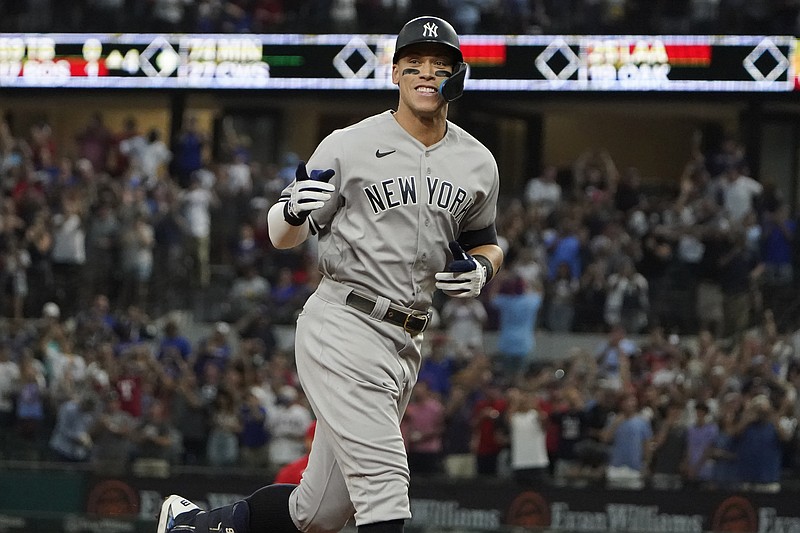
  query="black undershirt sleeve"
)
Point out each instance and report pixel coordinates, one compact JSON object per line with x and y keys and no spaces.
{"x":470,"y":239}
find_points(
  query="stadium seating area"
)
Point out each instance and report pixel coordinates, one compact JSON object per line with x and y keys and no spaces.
{"x":111,"y":255}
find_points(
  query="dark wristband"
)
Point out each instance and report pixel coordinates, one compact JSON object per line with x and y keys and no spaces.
{"x":484,"y":261}
{"x":291,"y":218}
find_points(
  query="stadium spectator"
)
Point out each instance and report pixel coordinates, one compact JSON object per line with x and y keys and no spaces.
{"x":567,"y":248}
{"x":526,"y":420}
{"x":737,"y":191}
{"x":225,"y":426}
{"x":758,"y":446}
{"x":113,"y":436}
{"x":66,"y":370}
{"x":39,"y":243}
{"x":94,"y":142}
{"x":543,"y":192}
{"x":459,"y":459}
{"x":190,"y":411}
{"x":590,"y":299}
{"x":253,"y":434}
{"x":14,"y":276}
{"x":489,"y":430}
{"x":594,"y":177}
{"x":613,"y":357}
{"x":128,"y":382}
{"x":779,"y":234}
{"x":627,"y":299}
{"x":293,"y":472}
{"x":725,"y":473}
{"x":71,"y":439}
{"x":700,"y":436}
{"x":740,"y":271}
{"x":31,"y":408}
{"x":188,"y":152}
{"x":9,"y":382}
{"x":247,"y":250}
{"x":440,"y":364}
{"x":102,"y":241}
{"x":569,"y":420}
{"x":155,"y":442}
{"x":668,"y":462}
{"x":257,"y":330}
{"x":288,"y":422}
{"x":249,"y":291}
{"x":464,"y":320}
{"x":173,"y":343}
{"x":629,"y":435}
{"x":69,"y":253}
{"x":121,"y":162}
{"x":518,"y":304}
{"x":286,"y":297}
{"x":423,"y":426}
{"x":196,"y":204}
{"x":170,"y":258}
{"x":137,"y":240}
{"x":154,"y":159}
{"x":214,"y":350}
{"x":560,"y":295}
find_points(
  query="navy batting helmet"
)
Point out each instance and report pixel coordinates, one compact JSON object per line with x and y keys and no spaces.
{"x":428,"y":30}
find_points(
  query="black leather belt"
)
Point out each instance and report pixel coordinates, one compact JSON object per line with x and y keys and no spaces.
{"x":414,"y":322}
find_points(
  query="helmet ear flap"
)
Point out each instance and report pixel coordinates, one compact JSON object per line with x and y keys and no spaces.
{"x":453,"y":87}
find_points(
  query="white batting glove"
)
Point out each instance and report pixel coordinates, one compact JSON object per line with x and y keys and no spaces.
{"x":308,"y":194}
{"x":464,"y":277}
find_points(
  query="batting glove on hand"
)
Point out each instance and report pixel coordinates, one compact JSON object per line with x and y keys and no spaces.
{"x":308,"y":194}
{"x":464,"y":277}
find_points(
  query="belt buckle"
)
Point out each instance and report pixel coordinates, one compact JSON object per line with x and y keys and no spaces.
{"x":413,"y":331}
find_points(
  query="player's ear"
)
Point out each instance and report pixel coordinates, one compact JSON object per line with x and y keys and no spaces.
{"x":395,"y":74}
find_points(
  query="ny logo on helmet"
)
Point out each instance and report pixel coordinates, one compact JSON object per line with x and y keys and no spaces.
{"x":430,"y":30}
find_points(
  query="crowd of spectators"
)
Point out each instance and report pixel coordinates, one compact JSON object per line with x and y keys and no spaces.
{"x":104,"y":239}
{"x":692,"y":287}
{"x":713,"y":17}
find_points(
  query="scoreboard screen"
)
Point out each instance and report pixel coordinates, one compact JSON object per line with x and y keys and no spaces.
{"x":361,"y":62}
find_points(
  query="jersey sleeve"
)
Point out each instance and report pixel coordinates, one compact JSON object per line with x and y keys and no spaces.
{"x":482,"y":215}
{"x":326,"y":156}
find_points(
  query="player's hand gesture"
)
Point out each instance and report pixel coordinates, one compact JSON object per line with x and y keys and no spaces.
{"x":464,"y":277}
{"x":310,"y":192}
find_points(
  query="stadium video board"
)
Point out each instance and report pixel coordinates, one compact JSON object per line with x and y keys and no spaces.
{"x":362,"y":62}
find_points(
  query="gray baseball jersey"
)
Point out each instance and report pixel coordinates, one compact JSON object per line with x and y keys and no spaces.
{"x":384,"y":233}
{"x":397,"y":204}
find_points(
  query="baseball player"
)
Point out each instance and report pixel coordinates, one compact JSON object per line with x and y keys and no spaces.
{"x":402,"y":203}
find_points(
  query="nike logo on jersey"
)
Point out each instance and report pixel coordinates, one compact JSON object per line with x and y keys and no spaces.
{"x":380,"y":154}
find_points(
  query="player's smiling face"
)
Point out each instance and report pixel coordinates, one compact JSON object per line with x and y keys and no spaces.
{"x":418,"y":73}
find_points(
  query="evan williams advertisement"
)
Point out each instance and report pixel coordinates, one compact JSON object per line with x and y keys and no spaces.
{"x":597,"y":510}
{"x":475,"y":505}
{"x":496,"y":505}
